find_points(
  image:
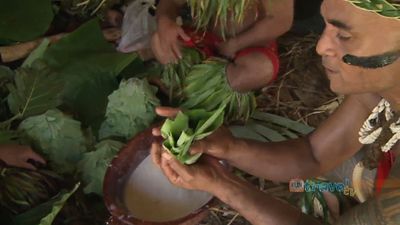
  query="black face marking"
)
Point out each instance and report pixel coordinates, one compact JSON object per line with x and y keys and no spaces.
{"x":372,"y":62}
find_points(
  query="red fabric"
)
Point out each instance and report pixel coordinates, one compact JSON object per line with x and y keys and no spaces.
{"x":384,"y":167}
{"x":271,"y":52}
{"x":207,"y":43}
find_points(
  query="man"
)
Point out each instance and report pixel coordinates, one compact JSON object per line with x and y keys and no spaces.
{"x":360,"y":50}
{"x":250,"y":45}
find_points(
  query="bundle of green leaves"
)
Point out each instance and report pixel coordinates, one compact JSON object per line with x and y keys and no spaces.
{"x":130,"y":109}
{"x":187,"y":127}
{"x":206,"y":87}
{"x":173,"y":75}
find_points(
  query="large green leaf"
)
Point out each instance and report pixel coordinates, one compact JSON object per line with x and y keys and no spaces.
{"x":23,"y":20}
{"x":86,"y":47}
{"x":35,"y":91}
{"x":45,"y":213}
{"x":89,"y":66}
{"x":94,"y":165}
{"x":58,"y":137}
{"x":131,"y":109}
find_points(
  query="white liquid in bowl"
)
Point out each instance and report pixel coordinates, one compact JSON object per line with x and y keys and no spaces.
{"x":149,"y":196}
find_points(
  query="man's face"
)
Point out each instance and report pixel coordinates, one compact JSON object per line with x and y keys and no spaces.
{"x":350,"y":30}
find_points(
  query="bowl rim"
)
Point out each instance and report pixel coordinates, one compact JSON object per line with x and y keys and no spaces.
{"x":122,"y":214}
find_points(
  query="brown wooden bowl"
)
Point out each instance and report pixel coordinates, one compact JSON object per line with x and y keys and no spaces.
{"x":118,"y":174}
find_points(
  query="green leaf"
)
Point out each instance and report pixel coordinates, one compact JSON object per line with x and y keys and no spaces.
{"x":37,"y":53}
{"x":266,"y":132}
{"x":284,"y":122}
{"x":176,"y":126}
{"x":6,"y":73}
{"x":86,"y":47}
{"x":130,"y":109}
{"x":58,"y":137}
{"x":24,"y":20}
{"x":93,"y":165}
{"x":89,"y":66}
{"x":35,"y":91}
{"x":247,"y":133}
{"x":44,"y":214}
{"x":189,"y":126}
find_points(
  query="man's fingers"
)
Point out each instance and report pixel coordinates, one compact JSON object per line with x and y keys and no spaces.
{"x":167,"y":111}
{"x":33,"y":155}
{"x":27,"y":165}
{"x":183,"y":35}
{"x":178,"y":168}
{"x":156,"y":154}
{"x":172,"y":176}
{"x":156,"y":132}
{"x":197,"y":147}
{"x":176,"y":50}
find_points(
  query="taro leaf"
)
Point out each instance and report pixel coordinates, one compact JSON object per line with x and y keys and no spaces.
{"x":44,"y":214}
{"x":34,"y":92}
{"x":58,"y":137}
{"x":24,"y":20}
{"x":37,"y":53}
{"x":93,"y":165}
{"x":130,"y":109}
{"x":86,"y":47}
{"x":89,"y":66}
{"x":5,"y":73}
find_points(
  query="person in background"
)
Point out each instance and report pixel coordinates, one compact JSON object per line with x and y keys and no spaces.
{"x":19,"y":156}
{"x":250,"y":46}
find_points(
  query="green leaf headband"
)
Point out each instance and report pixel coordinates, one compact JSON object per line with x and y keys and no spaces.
{"x":382,"y":7}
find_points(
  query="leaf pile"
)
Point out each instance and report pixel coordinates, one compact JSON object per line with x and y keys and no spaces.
{"x":93,"y":165}
{"x":206,"y":87}
{"x":23,"y":189}
{"x":58,"y":137}
{"x":130,"y":109}
{"x":193,"y":125}
{"x":173,"y":75}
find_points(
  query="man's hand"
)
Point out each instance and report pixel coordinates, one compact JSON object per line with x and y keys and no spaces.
{"x":227,"y":49}
{"x":206,"y":175}
{"x":165,"y":42}
{"x":18,"y":156}
{"x":217,"y":144}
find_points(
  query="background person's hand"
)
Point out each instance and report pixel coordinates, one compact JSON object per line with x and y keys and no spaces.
{"x":18,"y":156}
{"x":165,"y":42}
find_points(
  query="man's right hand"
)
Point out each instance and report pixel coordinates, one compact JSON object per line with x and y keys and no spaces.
{"x":218,"y":144}
{"x":165,"y":42}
